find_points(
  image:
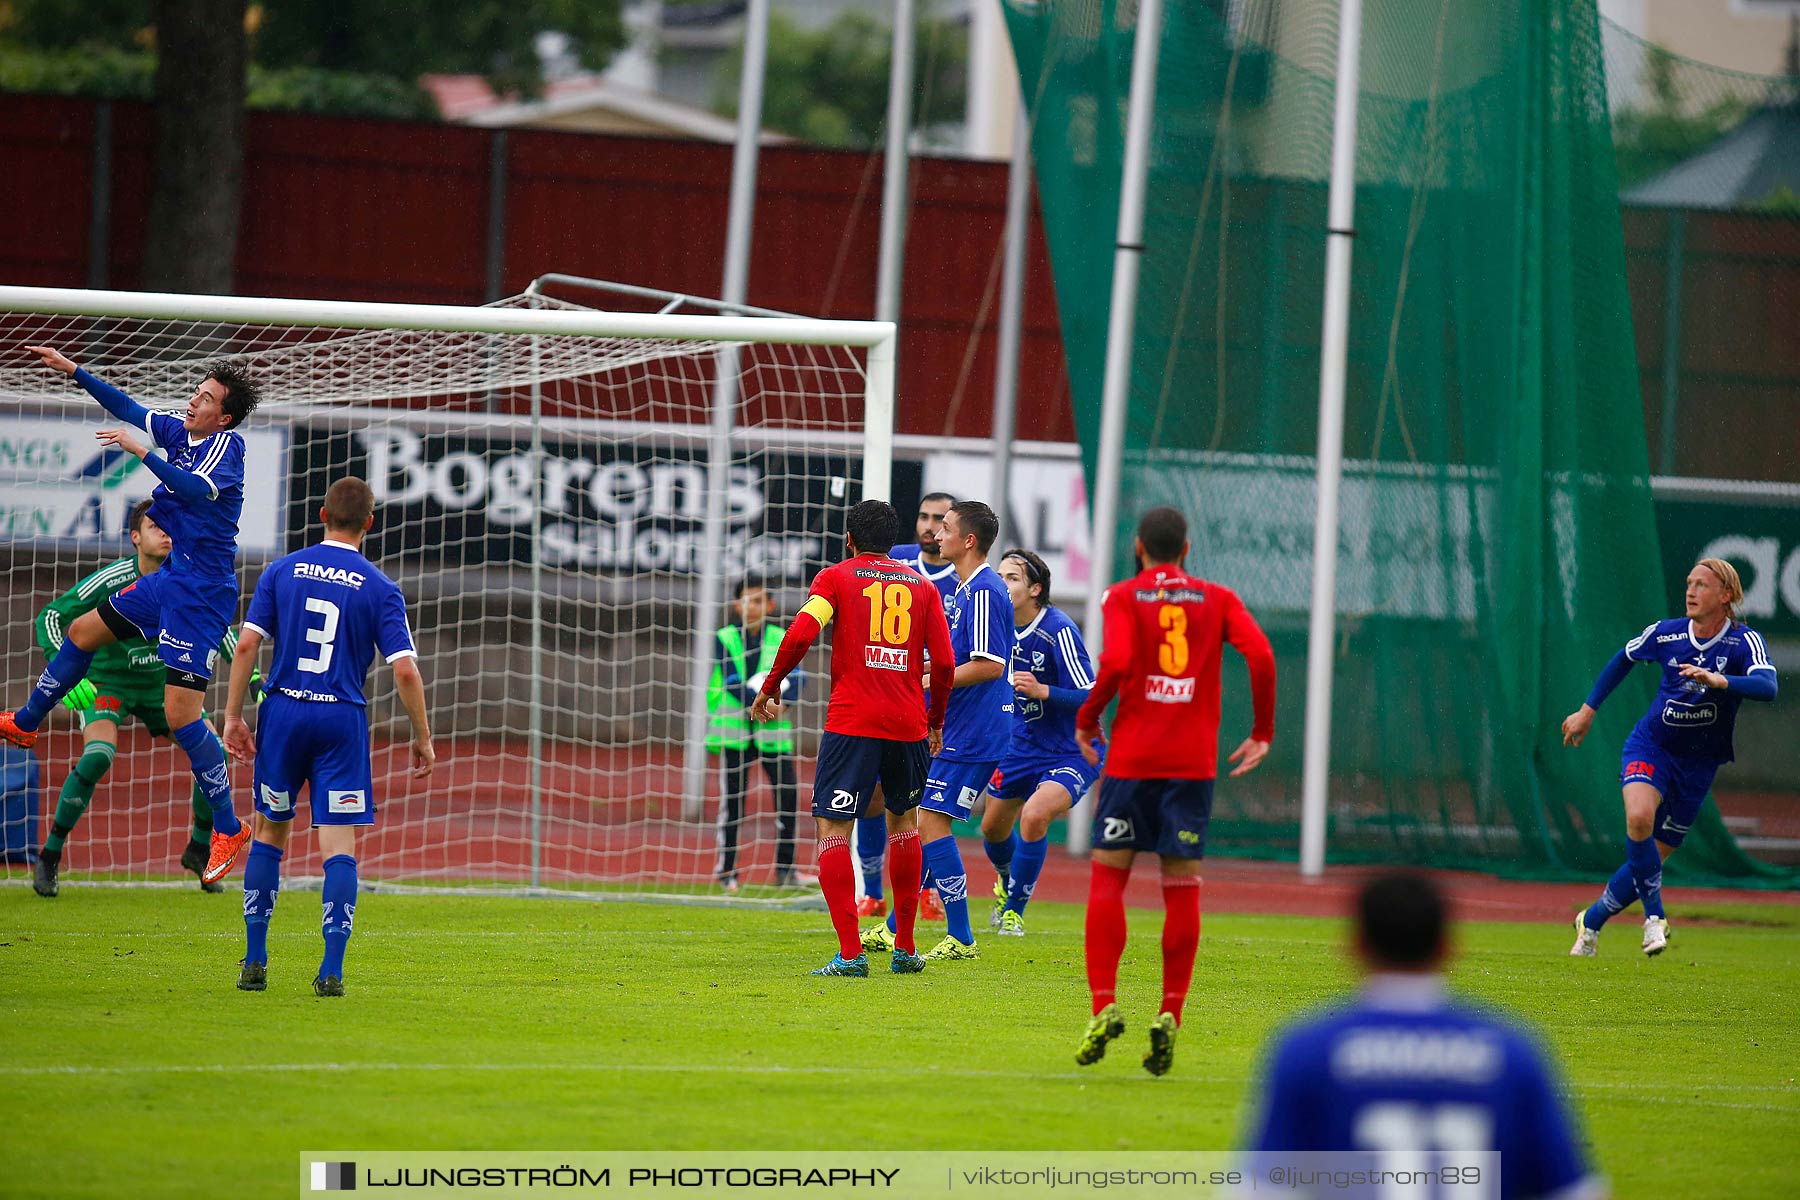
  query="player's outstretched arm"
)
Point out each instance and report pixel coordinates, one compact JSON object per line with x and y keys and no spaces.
{"x":808,"y":624}
{"x":410,"y":682}
{"x":111,"y":398}
{"x":238,"y":741}
{"x":1118,"y":650}
{"x":1575,"y":726}
{"x":186,"y":484}
{"x":1242,"y":631}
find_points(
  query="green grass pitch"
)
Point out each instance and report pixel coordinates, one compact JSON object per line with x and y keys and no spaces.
{"x":135,"y":1067}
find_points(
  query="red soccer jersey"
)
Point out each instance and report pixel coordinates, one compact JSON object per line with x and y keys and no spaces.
{"x":889,"y":621}
{"x":1164,"y":636}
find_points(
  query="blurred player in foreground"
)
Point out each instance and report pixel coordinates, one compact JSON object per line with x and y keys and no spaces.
{"x":187,"y":606}
{"x":1711,"y":663}
{"x":328,"y":610}
{"x":1165,"y":632}
{"x":878,"y":728}
{"x":921,"y":555}
{"x":1411,"y":1076}
{"x":1043,"y":774}
{"x":125,"y":680}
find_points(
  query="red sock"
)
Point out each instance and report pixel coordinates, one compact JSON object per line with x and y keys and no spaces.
{"x":837,"y":879}
{"x":906,"y":862}
{"x":1105,"y":931}
{"x":1180,"y":938}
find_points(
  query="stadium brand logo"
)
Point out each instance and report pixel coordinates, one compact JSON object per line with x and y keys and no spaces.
{"x":1162,"y":689}
{"x":885,"y":658}
{"x":347,"y":802}
{"x":1678,"y":714}
{"x":842,"y":801}
{"x":306,"y":570}
{"x":334,"y":1177}
{"x":1115,"y":829}
{"x":1640,"y":770}
{"x":1671,"y":637}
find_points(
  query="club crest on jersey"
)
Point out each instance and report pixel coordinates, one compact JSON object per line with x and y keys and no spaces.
{"x":1037,"y":660}
{"x":1161,"y":689}
{"x":885,"y":658}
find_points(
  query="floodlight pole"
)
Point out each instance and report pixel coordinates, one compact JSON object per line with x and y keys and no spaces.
{"x":1121,"y":325}
{"x":891,"y":266}
{"x":1322,"y":629}
{"x":1012,"y":318}
{"x":739,"y":226}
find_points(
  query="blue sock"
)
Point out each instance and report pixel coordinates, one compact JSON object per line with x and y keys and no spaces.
{"x":871,"y":848}
{"x":340,"y":910}
{"x":927,"y":879}
{"x":1001,"y":855}
{"x":1620,"y":891}
{"x":952,"y":886}
{"x":1646,"y":872}
{"x":262,"y":879}
{"x":207,"y":757}
{"x":1028,"y":864}
{"x":66,"y":669}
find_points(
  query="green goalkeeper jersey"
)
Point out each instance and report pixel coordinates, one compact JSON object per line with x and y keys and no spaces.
{"x":133,"y":661}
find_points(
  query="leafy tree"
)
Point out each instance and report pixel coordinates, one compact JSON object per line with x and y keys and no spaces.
{"x":830,"y":87}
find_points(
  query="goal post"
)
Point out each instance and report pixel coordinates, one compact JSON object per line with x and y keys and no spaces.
{"x":566,"y":495}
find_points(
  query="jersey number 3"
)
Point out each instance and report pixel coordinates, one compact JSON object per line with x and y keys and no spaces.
{"x":1172,"y":655}
{"x":890,"y":613}
{"x":322,"y":635}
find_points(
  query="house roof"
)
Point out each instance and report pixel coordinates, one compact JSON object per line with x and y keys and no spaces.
{"x":468,"y":99}
{"x":1744,"y":167}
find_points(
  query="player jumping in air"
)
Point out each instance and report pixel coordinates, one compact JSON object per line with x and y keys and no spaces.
{"x":1043,"y":774}
{"x":125,"y":680}
{"x":871,"y":832}
{"x":328,"y":610}
{"x":1711,"y":663}
{"x":1164,"y":636}
{"x":1409,"y":1076}
{"x":878,"y":728}
{"x":977,"y":724}
{"x":186,"y":607}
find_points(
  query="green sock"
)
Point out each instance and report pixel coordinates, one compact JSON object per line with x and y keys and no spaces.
{"x":202,"y":830}
{"x":78,"y":791}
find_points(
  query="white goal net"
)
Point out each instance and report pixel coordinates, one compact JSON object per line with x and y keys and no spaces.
{"x":569,"y":499}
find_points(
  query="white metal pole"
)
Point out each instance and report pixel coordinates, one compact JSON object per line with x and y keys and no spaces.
{"x":1012,"y":319}
{"x":891,"y":267}
{"x":739,"y":225}
{"x":1321,"y":631}
{"x":1121,"y":325}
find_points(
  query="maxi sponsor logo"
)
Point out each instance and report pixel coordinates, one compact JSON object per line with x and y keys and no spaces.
{"x":58,"y":487}
{"x":608,"y":506}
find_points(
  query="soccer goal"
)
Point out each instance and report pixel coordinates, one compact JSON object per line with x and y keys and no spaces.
{"x":570,"y":498}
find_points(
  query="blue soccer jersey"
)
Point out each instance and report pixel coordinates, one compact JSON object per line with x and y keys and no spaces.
{"x":1687,"y":719}
{"x":978,"y":722}
{"x":942,"y":577}
{"x":204,"y":532}
{"x":1051,"y":649}
{"x":1404,"y":1070}
{"x":328,"y":610}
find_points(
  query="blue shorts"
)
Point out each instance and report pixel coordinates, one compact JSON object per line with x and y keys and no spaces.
{"x":1159,"y":816}
{"x":1018,"y":778}
{"x":1682,"y":782}
{"x":951,"y":787}
{"x":322,"y":746}
{"x":850,"y":766}
{"x":186,"y":616}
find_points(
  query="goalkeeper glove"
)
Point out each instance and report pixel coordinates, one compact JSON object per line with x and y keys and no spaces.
{"x":80,"y":696}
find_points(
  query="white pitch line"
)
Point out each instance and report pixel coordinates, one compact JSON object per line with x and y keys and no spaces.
{"x":542,"y":1068}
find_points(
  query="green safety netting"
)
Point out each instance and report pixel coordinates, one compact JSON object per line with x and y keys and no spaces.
{"x":1497,"y":542}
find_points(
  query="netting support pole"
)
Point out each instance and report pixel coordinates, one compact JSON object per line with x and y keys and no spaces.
{"x":740,"y":223}
{"x":1675,"y":256}
{"x":1012,"y":319}
{"x":890,"y":267}
{"x":1322,"y":629}
{"x":535,"y":730}
{"x":1121,"y":328}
